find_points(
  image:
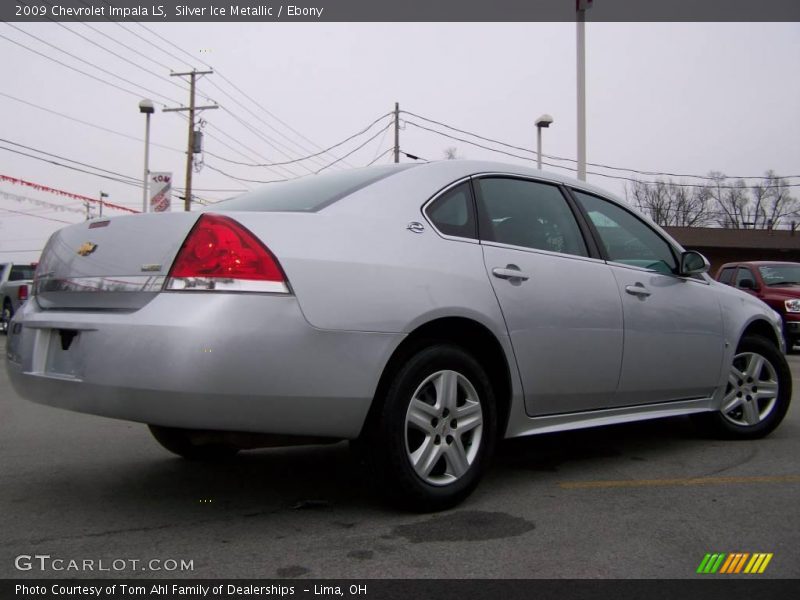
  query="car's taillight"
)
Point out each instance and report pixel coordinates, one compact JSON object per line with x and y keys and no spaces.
{"x":219,"y":254}
{"x":22,"y":292}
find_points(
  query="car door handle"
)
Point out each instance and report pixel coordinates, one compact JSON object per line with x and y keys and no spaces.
{"x":637,"y":290}
{"x":510,"y":272}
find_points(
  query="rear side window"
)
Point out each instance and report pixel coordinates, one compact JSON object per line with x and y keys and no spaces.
{"x":310,"y":193}
{"x":727,"y":275}
{"x":528,"y":214}
{"x":21,"y":272}
{"x":453,"y":213}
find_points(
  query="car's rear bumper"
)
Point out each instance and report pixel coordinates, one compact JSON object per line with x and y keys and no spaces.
{"x":234,"y":362}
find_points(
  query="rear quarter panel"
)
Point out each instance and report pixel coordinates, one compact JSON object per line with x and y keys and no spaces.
{"x":373,"y":274}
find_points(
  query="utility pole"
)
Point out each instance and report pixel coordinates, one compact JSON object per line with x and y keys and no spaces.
{"x":397,"y":132}
{"x":190,"y":149}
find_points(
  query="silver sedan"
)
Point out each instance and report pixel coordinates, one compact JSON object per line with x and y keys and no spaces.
{"x":421,"y":311}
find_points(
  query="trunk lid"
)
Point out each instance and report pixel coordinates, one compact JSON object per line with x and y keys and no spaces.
{"x":110,"y":264}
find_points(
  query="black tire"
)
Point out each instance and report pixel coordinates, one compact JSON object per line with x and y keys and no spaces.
{"x":6,"y":316}
{"x":183,"y":442}
{"x":458,"y":457}
{"x":766,"y":414}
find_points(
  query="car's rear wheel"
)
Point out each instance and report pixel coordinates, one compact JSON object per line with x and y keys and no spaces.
{"x":6,"y":316}
{"x":436,"y":430}
{"x":757,"y":394}
{"x":191,"y":444}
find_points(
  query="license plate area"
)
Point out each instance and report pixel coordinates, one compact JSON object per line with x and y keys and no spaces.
{"x":59,"y":353}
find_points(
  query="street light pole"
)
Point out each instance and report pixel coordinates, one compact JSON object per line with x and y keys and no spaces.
{"x":582,"y":6}
{"x":543,"y":121}
{"x":146,"y":107}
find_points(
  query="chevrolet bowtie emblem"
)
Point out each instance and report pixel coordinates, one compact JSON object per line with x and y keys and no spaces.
{"x":87,"y":248}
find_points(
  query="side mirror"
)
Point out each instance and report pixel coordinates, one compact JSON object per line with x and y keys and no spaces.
{"x":747,"y":284}
{"x":693,"y":263}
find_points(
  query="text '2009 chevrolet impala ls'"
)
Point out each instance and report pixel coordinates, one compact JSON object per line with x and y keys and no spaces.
{"x":424,"y":310}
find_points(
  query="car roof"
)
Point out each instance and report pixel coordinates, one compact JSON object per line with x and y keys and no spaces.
{"x":758,"y":263}
{"x":475,"y":167}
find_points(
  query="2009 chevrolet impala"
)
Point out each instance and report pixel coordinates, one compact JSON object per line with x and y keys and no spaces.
{"x":424,"y":310}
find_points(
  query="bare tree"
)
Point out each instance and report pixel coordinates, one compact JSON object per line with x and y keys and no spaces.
{"x":724,"y":202}
{"x":451,"y":153}
{"x":772,"y":202}
{"x":671,"y":204}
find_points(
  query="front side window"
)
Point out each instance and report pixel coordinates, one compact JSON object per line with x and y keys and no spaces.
{"x":626,"y":238}
{"x":452,"y":213}
{"x":743,"y":274}
{"x":528,"y":214}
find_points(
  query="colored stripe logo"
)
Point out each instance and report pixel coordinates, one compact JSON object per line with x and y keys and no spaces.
{"x":734,"y":563}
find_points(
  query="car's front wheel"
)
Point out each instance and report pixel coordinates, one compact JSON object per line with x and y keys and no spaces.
{"x":436,"y":430}
{"x":191,"y":444}
{"x":757,"y":393}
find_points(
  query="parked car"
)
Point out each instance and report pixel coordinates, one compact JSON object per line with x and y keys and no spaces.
{"x":420,"y":310}
{"x":776,"y":283}
{"x":15,"y":284}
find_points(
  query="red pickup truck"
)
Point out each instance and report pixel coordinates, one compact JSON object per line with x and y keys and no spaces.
{"x":776,"y":283}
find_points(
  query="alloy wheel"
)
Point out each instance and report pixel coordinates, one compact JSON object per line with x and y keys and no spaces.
{"x":752,"y":390}
{"x":443,"y":427}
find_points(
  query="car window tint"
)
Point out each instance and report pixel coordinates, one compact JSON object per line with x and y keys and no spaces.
{"x":309,"y":193}
{"x":727,"y":275}
{"x":528,"y":213}
{"x":452,"y":213}
{"x":626,"y":238}
{"x":742,"y":274}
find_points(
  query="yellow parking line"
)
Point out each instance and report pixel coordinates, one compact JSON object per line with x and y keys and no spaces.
{"x":629,"y":483}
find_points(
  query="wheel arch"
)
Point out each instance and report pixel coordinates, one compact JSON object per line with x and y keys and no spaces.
{"x":761,"y":328}
{"x":466,"y":333}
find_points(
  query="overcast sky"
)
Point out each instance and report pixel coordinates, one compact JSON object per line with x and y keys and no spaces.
{"x":679,"y":98}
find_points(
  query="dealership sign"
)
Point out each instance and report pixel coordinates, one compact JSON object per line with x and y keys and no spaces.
{"x":160,"y":192}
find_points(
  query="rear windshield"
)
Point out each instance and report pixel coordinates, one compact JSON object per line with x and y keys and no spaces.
{"x":21,"y":272}
{"x":310,"y":193}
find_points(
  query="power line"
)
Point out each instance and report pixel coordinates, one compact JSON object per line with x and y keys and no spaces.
{"x":56,"y":163}
{"x":381,"y":155}
{"x":77,"y":162}
{"x":603,"y":166}
{"x":20,"y":212}
{"x":362,"y":132}
{"x":87,"y":123}
{"x":136,"y":52}
{"x":221,"y":172}
{"x":78,"y":58}
{"x":271,"y":141}
{"x":618,"y":177}
{"x":380,"y":131}
{"x":103,"y":81}
{"x":289,"y":127}
{"x":233,"y":85}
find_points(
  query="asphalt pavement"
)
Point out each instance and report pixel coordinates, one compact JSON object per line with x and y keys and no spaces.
{"x":646,"y":500}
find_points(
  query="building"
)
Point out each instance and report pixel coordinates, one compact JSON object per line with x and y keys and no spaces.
{"x":721,"y":246}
